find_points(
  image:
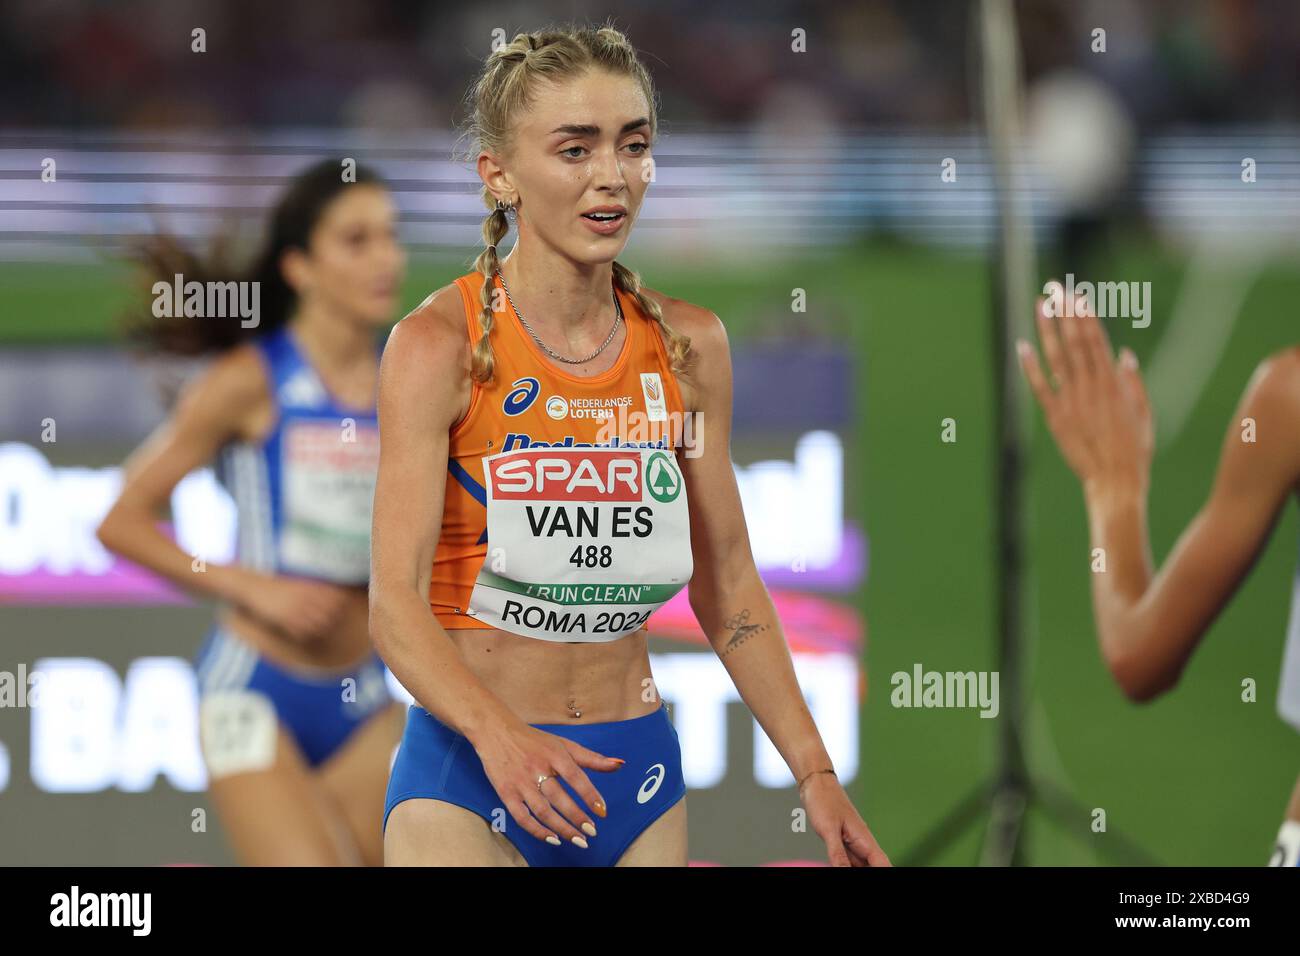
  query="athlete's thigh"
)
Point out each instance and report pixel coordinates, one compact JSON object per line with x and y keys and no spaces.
{"x":663,"y":843}
{"x":424,"y":832}
{"x":275,"y":814}
{"x":356,"y":777}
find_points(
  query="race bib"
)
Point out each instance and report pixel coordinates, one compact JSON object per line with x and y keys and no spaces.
{"x":328,"y":490}
{"x":584,"y":544}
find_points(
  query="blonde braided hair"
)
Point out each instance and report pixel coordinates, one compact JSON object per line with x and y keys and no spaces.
{"x":505,"y":87}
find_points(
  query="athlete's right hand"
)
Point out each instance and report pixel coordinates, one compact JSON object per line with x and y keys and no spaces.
{"x":515,"y":756}
{"x":300,"y":609}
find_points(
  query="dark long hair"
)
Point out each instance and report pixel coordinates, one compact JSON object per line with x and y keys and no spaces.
{"x":161,"y":257}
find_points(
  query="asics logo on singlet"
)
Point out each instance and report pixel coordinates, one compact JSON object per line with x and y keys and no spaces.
{"x":522,"y":394}
{"x":652,"y":782}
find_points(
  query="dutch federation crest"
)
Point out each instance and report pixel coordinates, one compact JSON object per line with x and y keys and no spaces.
{"x":652,"y":390}
{"x":663,"y":479}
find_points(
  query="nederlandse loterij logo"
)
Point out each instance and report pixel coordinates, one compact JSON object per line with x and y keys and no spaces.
{"x":663,"y":480}
{"x":557,"y":407}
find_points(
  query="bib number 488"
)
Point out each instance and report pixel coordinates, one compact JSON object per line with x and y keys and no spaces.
{"x":592,"y":556}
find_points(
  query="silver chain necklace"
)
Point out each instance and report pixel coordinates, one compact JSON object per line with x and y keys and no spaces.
{"x":618,"y":317}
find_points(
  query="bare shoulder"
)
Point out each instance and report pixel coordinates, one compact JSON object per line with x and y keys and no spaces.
{"x":1272,"y":404}
{"x":428,"y":353}
{"x":434,"y":331}
{"x":237,"y":374}
{"x":709,"y":350}
{"x":231,"y":397}
{"x":703,"y":327}
{"x":1275,"y":385}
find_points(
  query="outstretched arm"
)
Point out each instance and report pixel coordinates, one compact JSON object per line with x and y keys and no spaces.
{"x":737,"y":614}
{"x":1149,"y":621}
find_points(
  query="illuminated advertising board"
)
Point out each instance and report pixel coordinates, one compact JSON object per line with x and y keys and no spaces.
{"x":98,"y":696}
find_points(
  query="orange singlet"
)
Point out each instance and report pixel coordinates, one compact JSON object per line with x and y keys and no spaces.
{"x":532,"y":404}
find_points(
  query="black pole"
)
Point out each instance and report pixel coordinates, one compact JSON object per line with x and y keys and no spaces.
{"x":1011,"y":791}
{"x":1013,"y":262}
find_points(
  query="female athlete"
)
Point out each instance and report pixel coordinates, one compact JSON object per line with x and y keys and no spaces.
{"x":296,"y":723}
{"x":536,"y":502}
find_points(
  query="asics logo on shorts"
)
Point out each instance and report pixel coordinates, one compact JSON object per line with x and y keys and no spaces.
{"x":643,"y":795}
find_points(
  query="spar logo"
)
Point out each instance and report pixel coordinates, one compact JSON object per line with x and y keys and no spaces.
{"x":552,"y":474}
{"x":665,"y":480}
{"x":522,"y":394}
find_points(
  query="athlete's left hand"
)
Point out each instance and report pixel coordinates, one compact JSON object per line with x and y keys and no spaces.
{"x":834,"y":818}
{"x":1098,"y":411}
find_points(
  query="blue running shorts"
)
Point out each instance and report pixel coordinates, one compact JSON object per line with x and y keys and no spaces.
{"x":437,"y":763}
{"x":311,"y":704}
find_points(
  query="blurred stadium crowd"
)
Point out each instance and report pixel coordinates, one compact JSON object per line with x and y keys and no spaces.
{"x":403,"y":64}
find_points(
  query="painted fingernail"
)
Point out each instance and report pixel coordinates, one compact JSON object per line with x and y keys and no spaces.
{"x":579,"y":841}
{"x":620,"y":760}
{"x":553,"y":840}
{"x":589,"y":829}
{"x":1022,"y":347}
{"x":599,"y":807}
